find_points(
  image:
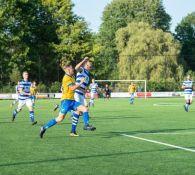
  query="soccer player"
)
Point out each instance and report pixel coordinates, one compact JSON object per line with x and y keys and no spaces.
{"x":67,"y":102}
{"x":83,"y":69}
{"x":188,"y":87}
{"x":17,"y":94}
{"x":93,"y":91}
{"x":132,"y":90}
{"x":25,"y":98}
{"x":107,"y":92}
{"x":33,"y":92}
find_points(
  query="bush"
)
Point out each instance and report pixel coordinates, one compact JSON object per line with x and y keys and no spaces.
{"x":163,"y":86}
{"x":7,"y":89}
{"x":55,"y":87}
{"x":42,"y":88}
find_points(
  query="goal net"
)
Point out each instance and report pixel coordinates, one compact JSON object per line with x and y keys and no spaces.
{"x":119,"y":88}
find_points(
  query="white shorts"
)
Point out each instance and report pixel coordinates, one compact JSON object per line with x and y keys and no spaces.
{"x":92,"y":95}
{"x":80,"y":98}
{"x":28,"y":102}
{"x":188,"y":96}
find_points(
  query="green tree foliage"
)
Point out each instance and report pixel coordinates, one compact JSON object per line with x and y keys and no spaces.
{"x":28,"y":32}
{"x":147,"y":53}
{"x":15,"y":75}
{"x":185,"y":33}
{"x":36,"y":34}
{"x":117,"y":15}
{"x":75,"y":39}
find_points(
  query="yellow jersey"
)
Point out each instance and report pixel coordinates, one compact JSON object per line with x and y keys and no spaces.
{"x":132,"y":88}
{"x":33,"y":90}
{"x":67,"y":93}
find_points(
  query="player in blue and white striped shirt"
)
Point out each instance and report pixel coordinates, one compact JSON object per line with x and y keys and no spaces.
{"x":83,"y":69}
{"x":188,"y":88}
{"x":93,"y":91}
{"x":24,"y":98}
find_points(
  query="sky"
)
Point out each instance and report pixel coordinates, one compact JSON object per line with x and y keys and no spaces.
{"x":92,"y":10}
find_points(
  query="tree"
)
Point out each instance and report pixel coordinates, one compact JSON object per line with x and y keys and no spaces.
{"x":185,"y":33}
{"x":75,"y":39}
{"x":15,"y":75}
{"x":148,"y":53}
{"x":28,"y":32}
{"x":118,"y":14}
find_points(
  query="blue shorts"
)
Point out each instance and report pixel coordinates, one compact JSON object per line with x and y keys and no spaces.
{"x":33,"y":97}
{"x":68,"y":105}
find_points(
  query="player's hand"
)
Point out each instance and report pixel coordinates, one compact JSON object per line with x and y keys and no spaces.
{"x":86,"y":59}
{"x":82,"y":80}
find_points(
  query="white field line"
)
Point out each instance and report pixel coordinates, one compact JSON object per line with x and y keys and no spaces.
{"x":168,"y":133}
{"x":160,"y":143}
{"x":167,"y":104}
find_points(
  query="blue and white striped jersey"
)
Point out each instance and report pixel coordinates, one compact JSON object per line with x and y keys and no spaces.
{"x":188,"y":84}
{"x":82,"y":74}
{"x":25,"y":86}
{"x":93,"y":87}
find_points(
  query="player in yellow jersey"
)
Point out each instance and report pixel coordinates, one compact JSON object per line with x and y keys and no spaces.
{"x":67,"y":102}
{"x":132,"y":90}
{"x":33,"y":92}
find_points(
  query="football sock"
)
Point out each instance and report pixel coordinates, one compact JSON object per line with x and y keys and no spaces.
{"x":31,"y":114}
{"x":91,"y":102}
{"x":75,"y":120}
{"x":50,"y":124}
{"x":86,"y":118}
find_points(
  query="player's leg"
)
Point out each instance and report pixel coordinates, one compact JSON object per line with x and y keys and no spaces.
{"x":75,"y":120}
{"x":30,"y":106}
{"x":85,"y":112}
{"x":64,"y":108}
{"x":187,"y":99}
{"x":132,"y":98}
{"x":33,"y":100}
{"x":56,"y":107}
{"x":21,"y":103}
{"x":91,"y":102}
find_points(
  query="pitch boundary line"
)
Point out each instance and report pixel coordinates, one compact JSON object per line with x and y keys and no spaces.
{"x":166,"y":104}
{"x":168,"y":133}
{"x":159,"y":143}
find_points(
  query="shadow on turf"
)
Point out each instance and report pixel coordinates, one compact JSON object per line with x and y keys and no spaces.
{"x":81,"y":157}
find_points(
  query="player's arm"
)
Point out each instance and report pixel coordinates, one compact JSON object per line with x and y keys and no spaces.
{"x":21,"y":91}
{"x":76,"y":86}
{"x":79,"y":65}
{"x":183,"y":86}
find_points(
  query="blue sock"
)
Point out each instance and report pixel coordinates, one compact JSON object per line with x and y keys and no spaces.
{"x":32,"y":116}
{"x":86,"y":118}
{"x":50,"y":124}
{"x":75,"y":120}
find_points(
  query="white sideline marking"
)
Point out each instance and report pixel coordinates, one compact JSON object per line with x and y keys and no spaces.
{"x":160,"y":143}
{"x":166,"y":104}
{"x":168,"y":133}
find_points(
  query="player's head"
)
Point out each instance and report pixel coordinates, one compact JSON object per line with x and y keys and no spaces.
{"x":34,"y":83}
{"x":25,"y":75}
{"x":68,"y":68}
{"x":88,"y":65}
{"x":188,"y":77}
{"x":93,"y":80}
{"x":106,"y":85}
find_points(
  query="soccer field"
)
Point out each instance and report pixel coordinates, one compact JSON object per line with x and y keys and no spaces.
{"x":153,"y":136}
